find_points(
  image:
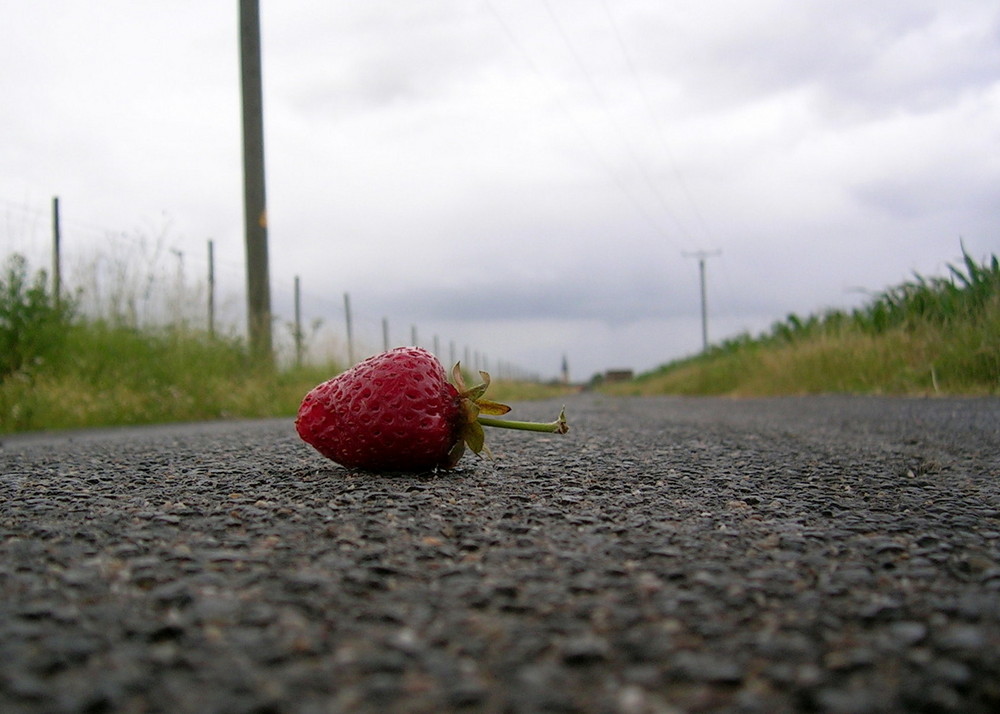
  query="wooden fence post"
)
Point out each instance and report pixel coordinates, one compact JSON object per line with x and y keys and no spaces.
{"x":56,"y":255}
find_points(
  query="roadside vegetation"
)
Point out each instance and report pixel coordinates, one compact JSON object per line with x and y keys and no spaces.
{"x":62,"y":368}
{"x":927,"y":336}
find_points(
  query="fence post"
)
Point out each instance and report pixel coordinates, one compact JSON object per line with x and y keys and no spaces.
{"x":56,"y":256}
{"x":211,"y":289}
{"x":298,"y":323}
{"x":350,"y":331}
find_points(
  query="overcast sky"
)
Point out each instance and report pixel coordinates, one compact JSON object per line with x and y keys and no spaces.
{"x":521,"y":177}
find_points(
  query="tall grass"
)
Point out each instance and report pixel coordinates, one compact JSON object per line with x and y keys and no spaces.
{"x":925,"y":336}
{"x":32,"y":323}
{"x":61,"y":368}
{"x":87,"y":360}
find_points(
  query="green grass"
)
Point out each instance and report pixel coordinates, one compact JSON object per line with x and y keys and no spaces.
{"x":927,"y":336}
{"x":519,"y":391}
{"x":109,"y":374}
{"x":60,"y":369}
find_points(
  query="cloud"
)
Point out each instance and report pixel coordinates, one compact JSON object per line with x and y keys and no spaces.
{"x":610,"y":299}
{"x":537,"y":167}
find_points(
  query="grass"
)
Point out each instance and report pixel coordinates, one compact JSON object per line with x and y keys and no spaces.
{"x":61,"y":369}
{"x":108,"y":374}
{"x":927,"y":336}
{"x":508,"y":391}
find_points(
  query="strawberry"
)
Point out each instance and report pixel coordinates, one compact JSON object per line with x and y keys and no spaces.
{"x":397,"y":411}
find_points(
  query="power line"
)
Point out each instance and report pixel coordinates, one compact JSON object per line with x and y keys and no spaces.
{"x":658,"y":129}
{"x":602,"y":102}
{"x":577,"y":127}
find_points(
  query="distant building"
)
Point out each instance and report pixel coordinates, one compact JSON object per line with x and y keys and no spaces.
{"x":619,"y":375}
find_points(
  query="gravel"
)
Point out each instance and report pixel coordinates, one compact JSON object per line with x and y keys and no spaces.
{"x":827,"y":554}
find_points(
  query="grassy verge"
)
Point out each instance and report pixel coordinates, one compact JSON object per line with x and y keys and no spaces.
{"x":924,"y":337}
{"x":518,"y":391}
{"x":60,"y":370}
{"x":110,"y":375}
{"x":107,"y":375}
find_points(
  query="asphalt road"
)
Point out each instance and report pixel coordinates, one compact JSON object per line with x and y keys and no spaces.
{"x":667,"y":555}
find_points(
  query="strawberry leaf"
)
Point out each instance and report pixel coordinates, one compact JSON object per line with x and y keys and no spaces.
{"x":455,"y":454}
{"x":492,"y":408}
{"x":457,"y":378}
{"x":475,"y":437}
{"x":476,"y":393}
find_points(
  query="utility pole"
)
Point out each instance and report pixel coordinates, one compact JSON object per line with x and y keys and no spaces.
{"x":254,"y":204}
{"x":701,"y":255}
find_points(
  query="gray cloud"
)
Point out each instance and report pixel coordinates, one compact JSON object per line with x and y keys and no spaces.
{"x":453,"y":165}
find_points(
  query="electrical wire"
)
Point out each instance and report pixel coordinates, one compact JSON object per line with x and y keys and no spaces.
{"x":605,"y":165}
{"x":605,"y":108}
{"x":654,"y":120}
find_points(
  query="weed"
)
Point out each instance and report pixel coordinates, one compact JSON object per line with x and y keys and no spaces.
{"x":32,"y":321}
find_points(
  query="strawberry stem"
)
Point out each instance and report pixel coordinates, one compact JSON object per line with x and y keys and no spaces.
{"x":559,"y":426}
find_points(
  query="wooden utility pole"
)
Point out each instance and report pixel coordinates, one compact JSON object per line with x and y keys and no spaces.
{"x":701,"y":255}
{"x":56,"y":256}
{"x":254,"y":204}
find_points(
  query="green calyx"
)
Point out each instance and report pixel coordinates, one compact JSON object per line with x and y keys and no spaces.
{"x":476,"y":411}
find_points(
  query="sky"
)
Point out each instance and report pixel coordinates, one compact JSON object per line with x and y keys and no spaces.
{"x":522,"y":179}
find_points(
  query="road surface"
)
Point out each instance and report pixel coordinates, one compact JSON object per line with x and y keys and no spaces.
{"x":827,"y":554}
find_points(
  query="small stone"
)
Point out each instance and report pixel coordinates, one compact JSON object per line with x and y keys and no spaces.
{"x":584,"y":650}
{"x":961,"y":637}
{"x":950,"y":671}
{"x":704,"y":667}
{"x":907,"y":633}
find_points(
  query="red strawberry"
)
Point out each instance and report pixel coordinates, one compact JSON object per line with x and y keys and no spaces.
{"x":396,"y":411}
